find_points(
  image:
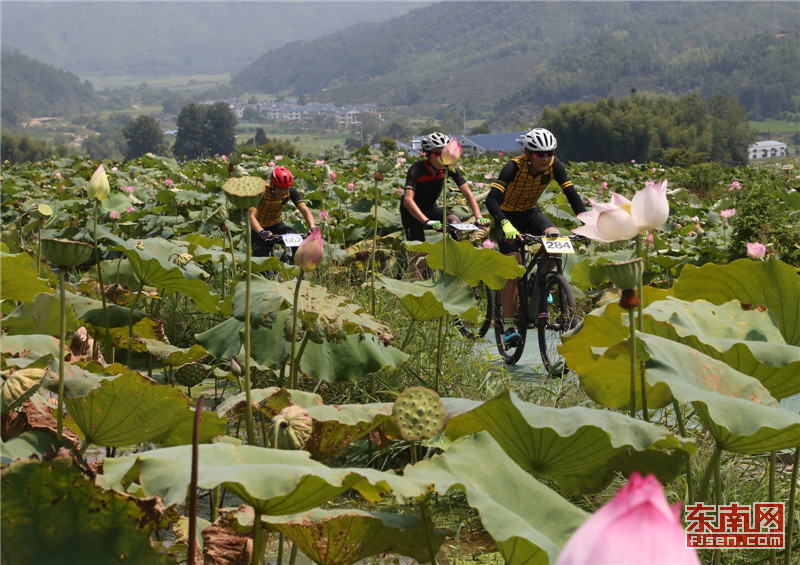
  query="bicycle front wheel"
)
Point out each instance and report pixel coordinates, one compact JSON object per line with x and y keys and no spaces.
{"x":483,"y":296}
{"x":510,"y":348}
{"x":559,"y":316}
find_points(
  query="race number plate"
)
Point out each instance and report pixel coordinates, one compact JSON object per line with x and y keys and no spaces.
{"x":465,"y":227}
{"x":557,"y":245}
{"x":292,"y":239}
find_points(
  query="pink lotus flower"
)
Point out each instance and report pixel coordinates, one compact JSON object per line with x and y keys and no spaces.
{"x":637,"y":527}
{"x":309,"y":254}
{"x":652,"y":169}
{"x":451,"y":154}
{"x":728,"y":213}
{"x":725,"y":224}
{"x":735,"y":185}
{"x":487,"y":244}
{"x":756,"y":250}
{"x":332,"y":175}
{"x":479,"y":185}
{"x":633,"y":161}
{"x":400,"y":191}
{"x":622,"y":219}
{"x":278,"y":157}
{"x":649,"y":238}
{"x":401,"y":160}
{"x":324,"y":214}
{"x":129,"y":189}
{"x":130,"y":209}
{"x":350,"y":185}
{"x":488,"y":176}
{"x":57,"y":175}
{"x":169,"y":182}
{"x":355,"y":168}
{"x":271,"y":163}
{"x":113,"y":214}
{"x":224,"y":158}
{"x":319,"y":162}
{"x":499,"y":153}
{"x":604,"y":185}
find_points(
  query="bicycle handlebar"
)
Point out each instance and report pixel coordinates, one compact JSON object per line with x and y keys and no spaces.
{"x":530,"y":239}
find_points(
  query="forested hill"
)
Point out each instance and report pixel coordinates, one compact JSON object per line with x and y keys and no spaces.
{"x":493,"y":57}
{"x":32,"y":88}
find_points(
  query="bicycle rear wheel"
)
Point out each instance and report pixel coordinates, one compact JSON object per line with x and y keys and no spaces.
{"x":561,"y":316}
{"x":484,"y":297}
{"x":511,"y":351}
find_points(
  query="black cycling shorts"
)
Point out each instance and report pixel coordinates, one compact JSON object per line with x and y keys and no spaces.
{"x":529,"y":221}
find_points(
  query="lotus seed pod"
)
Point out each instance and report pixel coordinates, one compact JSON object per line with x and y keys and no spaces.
{"x":180,"y":259}
{"x":40,"y":210}
{"x":291,"y":428}
{"x":384,"y":165}
{"x":64,"y":253}
{"x":244,"y":192}
{"x":418,"y":413}
{"x":218,"y":215}
{"x":191,"y":374}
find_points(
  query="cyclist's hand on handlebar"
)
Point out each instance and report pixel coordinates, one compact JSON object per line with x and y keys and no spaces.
{"x":509,"y":230}
{"x":265,"y":234}
{"x":312,"y":230}
{"x":433,"y":224}
{"x":482,"y":222}
{"x":552,"y":232}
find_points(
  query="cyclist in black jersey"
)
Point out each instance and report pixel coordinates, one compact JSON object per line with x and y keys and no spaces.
{"x":514,"y":196}
{"x":424,"y":182}
{"x":267,"y":218}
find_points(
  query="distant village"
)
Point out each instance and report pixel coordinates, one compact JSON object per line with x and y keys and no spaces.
{"x":328,"y":114}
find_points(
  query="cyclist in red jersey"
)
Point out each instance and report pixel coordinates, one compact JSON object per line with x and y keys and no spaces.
{"x":267,"y":218}
{"x":513,"y":202}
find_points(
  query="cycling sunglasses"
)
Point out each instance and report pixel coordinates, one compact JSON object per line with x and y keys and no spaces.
{"x":544,"y":154}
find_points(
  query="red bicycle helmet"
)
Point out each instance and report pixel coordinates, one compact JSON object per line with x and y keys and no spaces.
{"x":281,"y":177}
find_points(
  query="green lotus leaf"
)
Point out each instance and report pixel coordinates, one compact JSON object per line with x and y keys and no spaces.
{"x":747,"y":340}
{"x":591,"y":272}
{"x":174,"y":356}
{"x":17,"y":387}
{"x":315,"y":305}
{"x":579,"y":447}
{"x":336,"y":427}
{"x":222,"y":341}
{"x":129,"y":409}
{"x":353,"y":535}
{"x":469,"y":263}
{"x":30,"y":443}
{"x":21,"y":349}
{"x":769,"y":283}
{"x":41,"y":316}
{"x":168,"y":278}
{"x":737,"y":409}
{"x":273,"y":481}
{"x":77,"y":380}
{"x":91,"y":310}
{"x":18,"y":277}
{"x":525,"y":532}
{"x":53,"y":513}
{"x":351,"y":359}
{"x":65,"y":253}
{"x":269,"y":401}
{"x":429,"y":300}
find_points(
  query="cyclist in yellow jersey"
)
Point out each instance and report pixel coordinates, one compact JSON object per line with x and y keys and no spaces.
{"x":513,"y":202}
{"x":266,"y":219}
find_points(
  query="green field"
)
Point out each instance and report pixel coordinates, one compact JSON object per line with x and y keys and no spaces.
{"x":184,"y":83}
{"x":776,"y":126}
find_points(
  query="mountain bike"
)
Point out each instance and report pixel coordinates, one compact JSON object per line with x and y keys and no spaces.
{"x":545,"y":301}
{"x":481,"y":293}
{"x":289,"y":242}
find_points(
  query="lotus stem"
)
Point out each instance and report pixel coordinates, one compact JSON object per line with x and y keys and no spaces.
{"x":792,"y":502}
{"x":713,"y":464}
{"x":198,"y":415}
{"x":292,"y":360}
{"x":281,"y":540}
{"x":374,"y":247}
{"x":409,"y":335}
{"x":251,"y":436}
{"x":444,"y":222}
{"x":639,"y":323}
{"x":229,"y":237}
{"x":258,"y":540}
{"x":632,"y":343}
{"x":215,"y":503}
{"x":224,"y":277}
{"x":62,"y":294}
{"x":39,"y":249}
{"x":682,"y":428}
{"x":423,"y":509}
{"x":718,"y":501}
{"x":130,"y":324}
{"x":439,"y":348}
{"x":293,"y":554}
{"x":107,"y":335}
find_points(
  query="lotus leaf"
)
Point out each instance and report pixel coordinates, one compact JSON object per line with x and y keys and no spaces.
{"x":53,"y":513}
{"x":469,"y":263}
{"x":269,"y":401}
{"x":91,"y":310}
{"x":18,"y":387}
{"x":41,"y":316}
{"x":129,"y":409}
{"x":579,"y":447}
{"x":351,"y":359}
{"x":336,"y":427}
{"x":174,"y":356}
{"x":19,"y":278}
{"x":429,"y":300}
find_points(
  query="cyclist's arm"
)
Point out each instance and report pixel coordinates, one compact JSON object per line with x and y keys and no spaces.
{"x":560,"y":176}
{"x":497,"y":192}
{"x":302,"y":208}
{"x":410,"y":204}
{"x":254,"y":225}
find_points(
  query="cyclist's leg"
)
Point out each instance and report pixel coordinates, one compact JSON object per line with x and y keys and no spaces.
{"x":542,"y":224}
{"x":509,"y":294}
{"x":415,"y":231}
{"x":260,"y":247}
{"x":279,"y":229}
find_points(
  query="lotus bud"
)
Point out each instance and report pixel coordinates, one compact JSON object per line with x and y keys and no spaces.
{"x":98,"y":185}
{"x":451,"y":154}
{"x":309,"y":254}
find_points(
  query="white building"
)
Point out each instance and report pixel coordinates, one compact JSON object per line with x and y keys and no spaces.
{"x":767,"y":149}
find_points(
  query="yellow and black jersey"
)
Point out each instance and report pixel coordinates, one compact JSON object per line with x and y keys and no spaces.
{"x":521,"y":186}
{"x":270,"y":210}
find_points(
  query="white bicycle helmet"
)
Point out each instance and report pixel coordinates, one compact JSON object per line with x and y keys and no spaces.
{"x":539,"y":139}
{"x":434,"y":142}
